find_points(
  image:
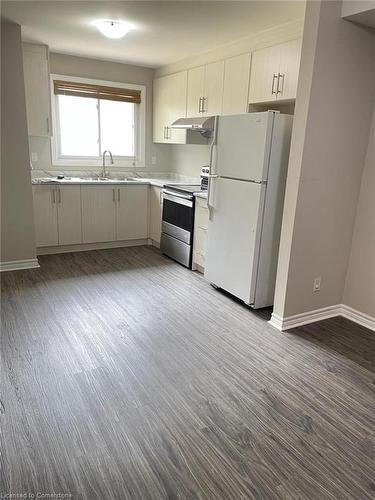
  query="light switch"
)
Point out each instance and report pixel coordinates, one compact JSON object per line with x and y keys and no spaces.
{"x":34,"y":156}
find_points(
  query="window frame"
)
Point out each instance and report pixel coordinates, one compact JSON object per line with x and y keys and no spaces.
{"x":119,"y":161}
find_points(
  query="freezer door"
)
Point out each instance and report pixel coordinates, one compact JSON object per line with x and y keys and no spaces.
{"x":243,"y":146}
{"x":234,"y":231}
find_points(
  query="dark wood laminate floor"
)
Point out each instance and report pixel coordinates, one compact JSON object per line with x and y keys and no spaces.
{"x":125,"y":376}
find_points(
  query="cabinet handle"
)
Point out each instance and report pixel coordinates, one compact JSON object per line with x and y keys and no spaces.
{"x":113,"y":195}
{"x":47,"y":122}
{"x":279,"y":77}
{"x":118,"y":195}
{"x":59,"y":194}
{"x":204,"y":100}
{"x":161,"y":197}
{"x":274,"y":79}
{"x":200,"y":105}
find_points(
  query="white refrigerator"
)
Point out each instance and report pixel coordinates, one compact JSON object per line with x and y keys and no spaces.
{"x":245,"y":200}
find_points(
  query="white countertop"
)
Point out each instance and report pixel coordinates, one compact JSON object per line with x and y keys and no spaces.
{"x":201,"y":194}
{"x":153,"y":181}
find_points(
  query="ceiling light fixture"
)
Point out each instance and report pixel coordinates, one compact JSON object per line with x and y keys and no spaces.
{"x":112,"y":29}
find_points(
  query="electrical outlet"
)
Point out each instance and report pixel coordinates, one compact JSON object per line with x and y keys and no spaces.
{"x":153,"y":160}
{"x":34,"y":156}
{"x":317,"y":283}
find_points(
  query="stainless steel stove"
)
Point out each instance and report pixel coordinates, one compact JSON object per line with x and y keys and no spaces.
{"x":178,"y":222}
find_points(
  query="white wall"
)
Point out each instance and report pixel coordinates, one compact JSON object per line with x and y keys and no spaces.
{"x":359,"y":290}
{"x":105,"y":70}
{"x":17,"y":224}
{"x":258,"y":40}
{"x":333,"y":113}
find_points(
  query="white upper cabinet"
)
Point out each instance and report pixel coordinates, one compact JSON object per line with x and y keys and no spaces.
{"x":195,"y":91}
{"x":225,"y":87}
{"x":274,"y":72}
{"x":263,"y":77}
{"x":213,"y":89}
{"x":36,"y":75}
{"x":205,"y":89}
{"x":169,"y":105}
{"x":290,"y":56}
{"x":236,"y":84}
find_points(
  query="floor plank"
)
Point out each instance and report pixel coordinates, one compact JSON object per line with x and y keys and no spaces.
{"x":126,"y":376}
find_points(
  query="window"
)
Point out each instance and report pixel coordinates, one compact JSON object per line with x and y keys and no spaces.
{"x":91,"y":117}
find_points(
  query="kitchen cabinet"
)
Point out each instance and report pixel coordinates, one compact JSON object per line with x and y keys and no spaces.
{"x":45,"y":216}
{"x":290,"y":56}
{"x":98,"y":213}
{"x":195,"y":91}
{"x":236,"y":84}
{"x":69,"y":221}
{"x":205,"y":89}
{"x":36,"y":76}
{"x":57,"y":215}
{"x":169,"y":105}
{"x":71,"y":215}
{"x":200,"y":233}
{"x":155,"y":214}
{"x":274,"y":72}
{"x":132,"y":212}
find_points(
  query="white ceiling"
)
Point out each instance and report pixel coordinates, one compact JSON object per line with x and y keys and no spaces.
{"x":165,"y":31}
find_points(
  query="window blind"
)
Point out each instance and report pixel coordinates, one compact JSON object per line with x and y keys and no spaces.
{"x":96,"y":91}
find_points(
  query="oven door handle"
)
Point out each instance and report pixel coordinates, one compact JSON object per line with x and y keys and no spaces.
{"x":169,"y":195}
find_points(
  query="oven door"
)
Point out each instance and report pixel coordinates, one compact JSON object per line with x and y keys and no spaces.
{"x":178,"y":216}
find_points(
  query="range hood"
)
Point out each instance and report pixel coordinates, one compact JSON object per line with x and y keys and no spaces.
{"x":199,"y":123}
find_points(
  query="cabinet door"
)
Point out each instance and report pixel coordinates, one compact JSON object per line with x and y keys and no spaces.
{"x":213,"y":88}
{"x":176,"y":106}
{"x":132,"y":212}
{"x":156,"y":208}
{"x":69,"y":215}
{"x":45,"y":216}
{"x":195,"y":91}
{"x":236,"y":84}
{"x":98,"y":213}
{"x":160,"y":102}
{"x":263,"y":76}
{"x":290,"y":55}
{"x":36,"y":75}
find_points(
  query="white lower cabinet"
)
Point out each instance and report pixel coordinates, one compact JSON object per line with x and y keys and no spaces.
{"x":72,"y":215}
{"x":69,"y":220}
{"x":200,"y":233}
{"x":98,"y":213}
{"x":57,"y":214}
{"x":155,"y":215}
{"x":132,"y":212}
{"x":45,"y":216}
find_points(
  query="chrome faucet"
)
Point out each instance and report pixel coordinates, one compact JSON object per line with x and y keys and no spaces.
{"x":103,"y":166}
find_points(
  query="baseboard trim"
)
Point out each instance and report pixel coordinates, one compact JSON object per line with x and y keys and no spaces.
{"x":84,"y":247}
{"x":18,"y":265}
{"x":358,"y":317}
{"x":320,"y":314}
